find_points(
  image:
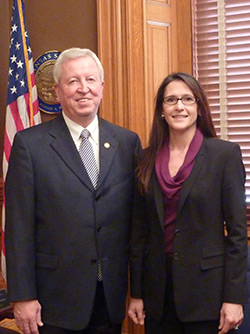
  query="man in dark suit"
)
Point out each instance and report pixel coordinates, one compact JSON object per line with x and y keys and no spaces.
{"x":61,"y":229}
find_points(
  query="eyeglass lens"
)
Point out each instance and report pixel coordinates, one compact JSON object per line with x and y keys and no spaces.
{"x":186,"y":100}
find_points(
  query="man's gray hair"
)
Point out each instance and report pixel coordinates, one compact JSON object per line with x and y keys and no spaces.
{"x":72,"y":54}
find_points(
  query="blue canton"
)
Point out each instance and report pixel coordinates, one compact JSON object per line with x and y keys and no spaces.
{"x":17,"y":84}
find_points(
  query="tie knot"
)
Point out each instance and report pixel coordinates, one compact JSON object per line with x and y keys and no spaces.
{"x":85,"y":133}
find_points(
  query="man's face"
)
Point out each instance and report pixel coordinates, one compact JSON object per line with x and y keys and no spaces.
{"x":80,"y":89}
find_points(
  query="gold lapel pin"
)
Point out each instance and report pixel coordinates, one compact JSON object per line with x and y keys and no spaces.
{"x":107,"y":145}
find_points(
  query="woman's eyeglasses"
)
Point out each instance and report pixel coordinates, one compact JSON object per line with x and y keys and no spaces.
{"x":187,"y":100}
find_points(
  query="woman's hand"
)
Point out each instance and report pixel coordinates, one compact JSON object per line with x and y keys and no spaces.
{"x":231,"y":316}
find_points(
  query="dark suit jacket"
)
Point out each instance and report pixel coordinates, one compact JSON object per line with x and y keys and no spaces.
{"x":4,"y":330}
{"x":208,"y":267}
{"x":57,"y":225}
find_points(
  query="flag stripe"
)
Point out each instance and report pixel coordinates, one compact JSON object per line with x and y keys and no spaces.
{"x":13,"y":107}
{"x":7,"y":148}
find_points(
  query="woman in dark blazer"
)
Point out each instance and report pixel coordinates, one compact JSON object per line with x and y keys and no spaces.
{"x":189,"y":239}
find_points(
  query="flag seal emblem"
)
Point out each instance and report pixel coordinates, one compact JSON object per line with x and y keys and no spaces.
{"x":43,"y":67}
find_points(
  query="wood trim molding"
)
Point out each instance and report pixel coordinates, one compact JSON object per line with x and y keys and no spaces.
{"x":109,"y":52}
{"x":135,"y":66}
{"x":120,"y":49}
{"x":184,"y":35}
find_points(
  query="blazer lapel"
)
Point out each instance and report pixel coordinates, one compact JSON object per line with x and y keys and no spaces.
{"x":64,"y":146}
{"x":187,"y":185}
{"x":158,"y":198}
{"x":107,"y":149}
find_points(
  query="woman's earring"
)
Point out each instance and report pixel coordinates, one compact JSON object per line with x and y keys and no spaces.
{"x":162,"y":116}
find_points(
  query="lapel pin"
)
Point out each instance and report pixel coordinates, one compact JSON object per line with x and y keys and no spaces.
{"x":107,"y":145}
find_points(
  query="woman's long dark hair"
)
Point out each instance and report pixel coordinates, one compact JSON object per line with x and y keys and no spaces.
{"x":159,"y":131}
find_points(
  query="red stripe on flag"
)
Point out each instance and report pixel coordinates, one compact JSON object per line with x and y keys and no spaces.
{"x":7,"y":146}
{"x":3,"y":245}
{"x":16,"y":116}
{"x":33,"y":80}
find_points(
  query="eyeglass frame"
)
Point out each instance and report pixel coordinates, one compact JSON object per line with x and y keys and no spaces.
{"x":180,"y":99}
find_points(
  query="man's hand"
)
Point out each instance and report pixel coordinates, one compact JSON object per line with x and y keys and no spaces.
{"x":231,"y":316}
{"x":135,"y":311}
{"x":28,"y":316}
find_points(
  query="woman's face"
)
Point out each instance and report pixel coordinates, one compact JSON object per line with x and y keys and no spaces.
{"x":181,"y":116}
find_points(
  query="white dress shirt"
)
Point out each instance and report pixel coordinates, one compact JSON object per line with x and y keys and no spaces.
{"x":76,"y":130}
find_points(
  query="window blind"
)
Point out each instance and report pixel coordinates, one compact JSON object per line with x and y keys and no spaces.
{"x":221,"y":62}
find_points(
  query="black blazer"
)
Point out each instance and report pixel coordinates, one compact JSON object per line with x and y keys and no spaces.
{"x":57,"y":225}
{"x":209,"y":268}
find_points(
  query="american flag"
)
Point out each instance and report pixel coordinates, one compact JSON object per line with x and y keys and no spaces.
{"x":22,"y":103}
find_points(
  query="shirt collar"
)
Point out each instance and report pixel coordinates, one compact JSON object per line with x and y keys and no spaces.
{"x":76,"y":129}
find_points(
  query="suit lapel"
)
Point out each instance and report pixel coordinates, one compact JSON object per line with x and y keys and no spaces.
{"x":63,"y":145}
{"x":188,"y":184}
{"x":158,"y":198}
{"x":107,"y":149}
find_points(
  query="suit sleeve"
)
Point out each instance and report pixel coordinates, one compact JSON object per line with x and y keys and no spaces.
{"x":20,"y":223}
{"x":234,"y":210}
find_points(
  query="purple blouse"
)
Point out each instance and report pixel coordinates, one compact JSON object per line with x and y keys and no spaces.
{"x":171,"y":186}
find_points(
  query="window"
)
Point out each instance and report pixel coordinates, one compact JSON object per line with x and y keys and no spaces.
{"x":221,"y":61}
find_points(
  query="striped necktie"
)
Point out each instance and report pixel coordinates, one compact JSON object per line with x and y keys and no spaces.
{"x":88,"y":158}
